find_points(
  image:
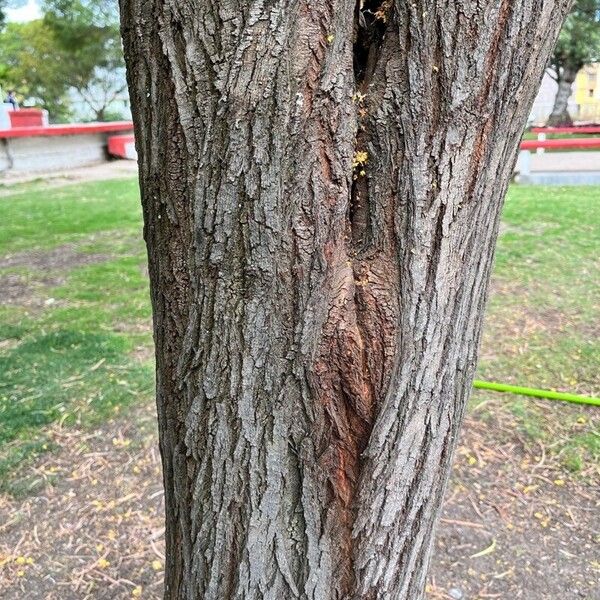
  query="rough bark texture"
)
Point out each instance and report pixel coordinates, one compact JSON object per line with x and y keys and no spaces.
{"x":321,"y":184}
{"x":560,"y":111}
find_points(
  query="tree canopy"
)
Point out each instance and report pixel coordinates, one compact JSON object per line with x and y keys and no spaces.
{"x":32,"y":63}
{"x":72,"y":55}
{"x":579,"y":40}
{"x":578,"y":44}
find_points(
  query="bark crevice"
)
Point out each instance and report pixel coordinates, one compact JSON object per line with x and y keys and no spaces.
{"x":357,"y":342}
{"x":371,"y":21}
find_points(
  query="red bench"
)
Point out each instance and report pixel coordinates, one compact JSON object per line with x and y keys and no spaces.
{"x":52,"y":147}
{"x":28,"y":117}
{"x":574,"y":143}
{"x":122,"y":146}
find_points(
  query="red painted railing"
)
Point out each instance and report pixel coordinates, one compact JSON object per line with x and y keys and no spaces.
{"x":72,"y":129}
{"x":565,"y":144}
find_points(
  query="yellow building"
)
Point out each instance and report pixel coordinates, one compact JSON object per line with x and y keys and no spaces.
{"x":586,"y":93}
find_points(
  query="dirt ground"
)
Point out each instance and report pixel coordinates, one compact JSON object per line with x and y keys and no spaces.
{"x":21,"y":290}
{"x":93,"y":527}
{"x":515,"y":525}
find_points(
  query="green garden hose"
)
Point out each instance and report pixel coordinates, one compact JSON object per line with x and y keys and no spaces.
{"x":524,"y":391}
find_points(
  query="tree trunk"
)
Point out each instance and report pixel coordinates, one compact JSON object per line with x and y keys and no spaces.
{"x":560,"y":117}
{"x":321,"y":185}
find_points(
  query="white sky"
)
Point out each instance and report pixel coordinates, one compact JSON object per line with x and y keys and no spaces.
{"x":27,"y":12}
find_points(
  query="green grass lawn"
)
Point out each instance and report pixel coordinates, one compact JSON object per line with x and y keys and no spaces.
{"x":75,"y":333}
{"x":75,"y":340}
{"x":543,"y":320}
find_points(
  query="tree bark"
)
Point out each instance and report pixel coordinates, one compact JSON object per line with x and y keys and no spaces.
{"x":321,"y":185}
{"x":560,"y":117}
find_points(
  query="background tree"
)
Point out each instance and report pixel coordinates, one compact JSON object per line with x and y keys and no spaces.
{"x":321,"y":184}
{"x":32,"y":63}
{"x":578,"y":44}
{"x":71,"y":57}
{"x":88,"y":32}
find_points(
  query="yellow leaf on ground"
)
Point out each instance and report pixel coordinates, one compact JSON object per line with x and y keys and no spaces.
{"x":156,"y":565}
{"x":487,"y":550}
